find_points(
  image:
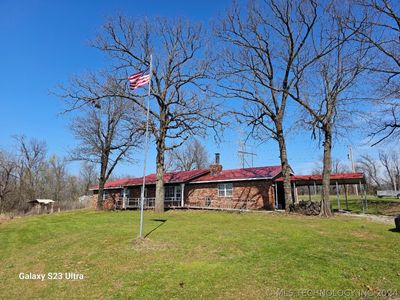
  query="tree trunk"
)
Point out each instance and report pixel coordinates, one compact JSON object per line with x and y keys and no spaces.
{"x":99,"y":204}
{"x":326,"y":174}
{"x":285,"y":167}
{"x":159,"y":202}
{"x":102,"y":182}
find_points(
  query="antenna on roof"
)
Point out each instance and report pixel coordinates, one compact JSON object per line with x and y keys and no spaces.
{"x":242,"y":153}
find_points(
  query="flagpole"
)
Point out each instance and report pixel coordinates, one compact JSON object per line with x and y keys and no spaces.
{"x":146,"y":148}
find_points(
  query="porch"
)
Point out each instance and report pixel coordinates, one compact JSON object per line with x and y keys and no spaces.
{"x":134,"y":203}
{"x":174,"y":202}
{"x":222,"y":203}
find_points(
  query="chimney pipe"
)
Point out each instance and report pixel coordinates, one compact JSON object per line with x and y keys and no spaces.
{"x":217,"y":158}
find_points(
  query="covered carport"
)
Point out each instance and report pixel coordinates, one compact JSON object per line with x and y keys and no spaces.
{"x":312,"y":181}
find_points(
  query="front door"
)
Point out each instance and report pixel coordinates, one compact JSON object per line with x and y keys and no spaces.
{"x":281,"y":195}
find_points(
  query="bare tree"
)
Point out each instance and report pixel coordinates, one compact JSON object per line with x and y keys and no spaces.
{"x":179,"y":80}
{"x":31,"y":156}
{"x":107,"y":135}
{"x":57,"y":175}
{"x":268,"y":48}
{"x":8,"y":178}
{"x":327,"y":89}
{"x":88,"y":175}
{"x":396,"y":168}
{"x":30,"y":174}
{"x":193,"y":156}
{"x":391,"y":165}
{"x":383,"y":37}
{"x":337,"y":167}
{"x":370,"y":167}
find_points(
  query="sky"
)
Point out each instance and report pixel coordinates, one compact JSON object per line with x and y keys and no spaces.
{"x":44,"y":43}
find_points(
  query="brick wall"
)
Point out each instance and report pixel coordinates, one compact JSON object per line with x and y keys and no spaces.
{"x":257,"y":194}
{"x":110,"y":200}
{"x":113,"y":195}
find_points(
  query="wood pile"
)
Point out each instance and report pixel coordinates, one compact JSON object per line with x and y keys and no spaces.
{"x":308,"y":208}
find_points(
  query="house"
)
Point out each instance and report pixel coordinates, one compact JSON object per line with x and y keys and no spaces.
{"x":247,"y":188}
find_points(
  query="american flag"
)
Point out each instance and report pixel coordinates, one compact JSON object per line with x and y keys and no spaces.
{"x":139,"y":79}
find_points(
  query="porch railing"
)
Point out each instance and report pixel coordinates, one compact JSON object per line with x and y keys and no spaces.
{"x":230,"y":203}
{"x":149,"y":203}
{"x":200,"y":202}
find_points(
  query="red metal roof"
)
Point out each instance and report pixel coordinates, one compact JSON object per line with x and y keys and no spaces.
{"x":342,"y":177}
{"x":172,"y":177}
{"x":241,"y":174}
{"x":199,"y":176}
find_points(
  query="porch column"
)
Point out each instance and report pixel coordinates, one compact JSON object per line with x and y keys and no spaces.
{"x":276,"y":195}
{"x":365,"y":198}
{"x":362,"y":200}
{"x":124,"y":198}
{"x":337,"y":195}
{"x":182,"y":194}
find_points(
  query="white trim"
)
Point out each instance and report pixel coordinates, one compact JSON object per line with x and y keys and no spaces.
{"x":225,"y":189}
{"x":182,"y":194}
{"x":175,"y":189}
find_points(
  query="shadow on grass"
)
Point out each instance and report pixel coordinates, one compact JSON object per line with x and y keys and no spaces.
{"x":162,"y":221}
{"x":394,"y":230}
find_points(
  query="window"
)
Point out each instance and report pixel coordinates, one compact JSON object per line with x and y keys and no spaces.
{"x":105,"y":195}
{"x":178,"y":192}
{"x":173,"y":192}
{"x":225,"y":189}
{"x":169,"y":192}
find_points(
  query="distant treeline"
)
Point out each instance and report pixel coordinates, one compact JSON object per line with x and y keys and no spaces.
{"x":30,"y":173}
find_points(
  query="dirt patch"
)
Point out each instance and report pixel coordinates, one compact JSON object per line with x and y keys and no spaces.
{"x":150,"y":245}
{"x":5,"y":218}
{"x":364,"y":235}
{"x":375,"y":218}
{"x":392,"y":207}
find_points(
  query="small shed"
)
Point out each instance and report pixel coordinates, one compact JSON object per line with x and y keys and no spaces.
{"x":42,"y":205}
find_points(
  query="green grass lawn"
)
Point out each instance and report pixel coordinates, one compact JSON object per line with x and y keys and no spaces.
{"x":379,"y":206}
{"x":196,"y":254}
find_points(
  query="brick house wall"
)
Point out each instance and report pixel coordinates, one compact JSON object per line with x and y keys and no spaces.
{"x":114,"y":194}
{"x":259,"y":194}
{"x":110,"y":200}
{"x":254,"y":194}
